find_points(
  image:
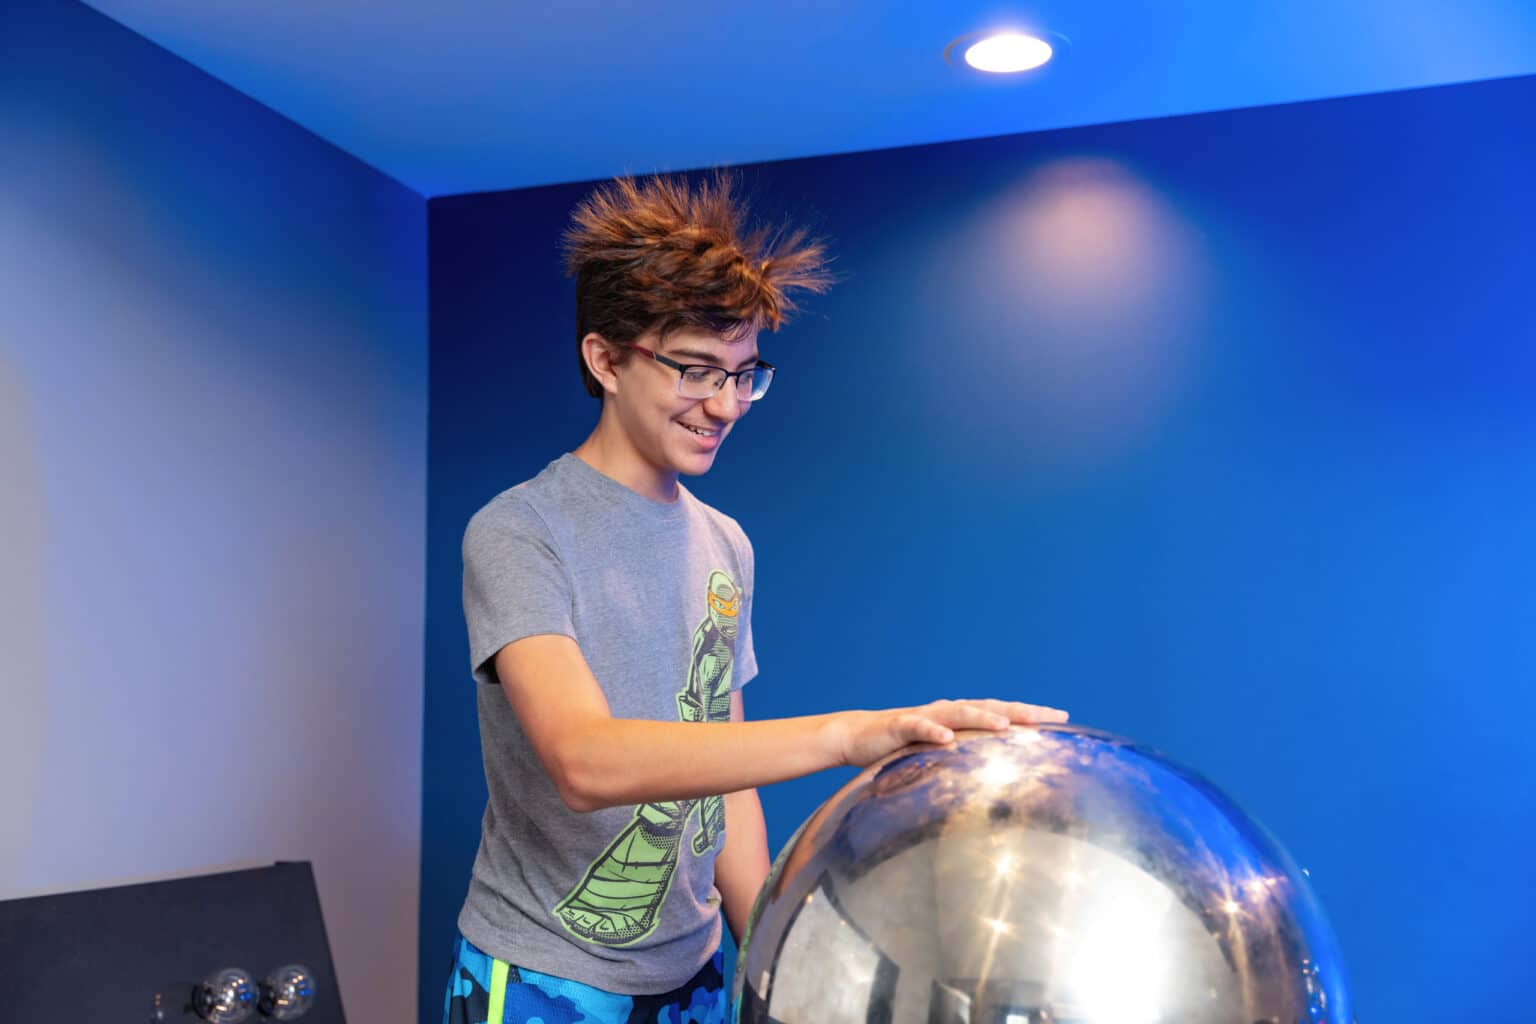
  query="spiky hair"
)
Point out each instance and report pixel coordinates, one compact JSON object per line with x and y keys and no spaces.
{"x":658,"y":254}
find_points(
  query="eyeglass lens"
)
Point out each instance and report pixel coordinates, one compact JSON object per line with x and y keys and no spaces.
{"x":704,"y":381}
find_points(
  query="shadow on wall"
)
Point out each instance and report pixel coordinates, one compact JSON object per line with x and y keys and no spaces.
{"x":21,"y":622}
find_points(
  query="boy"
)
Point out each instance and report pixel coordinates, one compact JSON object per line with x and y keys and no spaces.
{"x":609,"y":615}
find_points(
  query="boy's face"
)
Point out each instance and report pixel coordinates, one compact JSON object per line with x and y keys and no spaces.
{"x":673,"y":434}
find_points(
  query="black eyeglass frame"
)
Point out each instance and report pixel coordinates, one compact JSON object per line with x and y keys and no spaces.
{"x":682,"y":368}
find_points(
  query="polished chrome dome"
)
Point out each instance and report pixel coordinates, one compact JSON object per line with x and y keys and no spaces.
{"x":1041,"y":876}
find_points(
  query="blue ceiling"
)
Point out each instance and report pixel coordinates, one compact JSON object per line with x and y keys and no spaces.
{"x":467,"y":96}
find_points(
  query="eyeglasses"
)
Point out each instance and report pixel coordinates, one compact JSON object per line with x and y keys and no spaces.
{"x":699,"y":381}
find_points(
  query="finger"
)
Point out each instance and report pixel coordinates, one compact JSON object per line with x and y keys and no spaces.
{"x":1035,"y":714}
{"x":967,"y":714}
{"x":1020,"y":713}
{"x":919,"y":728}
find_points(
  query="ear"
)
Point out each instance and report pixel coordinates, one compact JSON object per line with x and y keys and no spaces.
{"x":598,"y":354}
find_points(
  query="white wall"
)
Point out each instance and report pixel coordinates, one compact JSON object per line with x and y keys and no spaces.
{"x":212,"y":492}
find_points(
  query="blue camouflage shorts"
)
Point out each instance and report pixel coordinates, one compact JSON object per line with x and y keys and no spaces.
{"x":484,"y":990}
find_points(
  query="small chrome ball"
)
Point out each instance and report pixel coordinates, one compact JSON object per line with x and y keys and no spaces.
{"x":288,"y":992}
{"x":226,"y":996}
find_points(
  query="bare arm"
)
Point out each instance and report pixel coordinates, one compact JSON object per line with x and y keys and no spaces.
{"x":743,"y":865}
{"x":596,"y":760}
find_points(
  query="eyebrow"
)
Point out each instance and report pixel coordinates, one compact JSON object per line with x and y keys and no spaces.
{"x":709,"y":359}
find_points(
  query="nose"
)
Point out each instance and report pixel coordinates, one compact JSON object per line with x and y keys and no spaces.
{"x":727,"y":403}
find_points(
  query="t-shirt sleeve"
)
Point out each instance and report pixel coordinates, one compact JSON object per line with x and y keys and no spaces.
{"x":514,"y":583}
{"x":746,"y":655}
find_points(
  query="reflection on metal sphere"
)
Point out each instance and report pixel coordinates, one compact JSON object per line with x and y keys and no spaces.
{"x":288,"y":992}
{"x":1040,"y":876}
{"x":226,"y":997}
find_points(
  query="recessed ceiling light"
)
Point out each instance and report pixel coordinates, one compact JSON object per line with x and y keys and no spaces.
{"x":1008,"y":53}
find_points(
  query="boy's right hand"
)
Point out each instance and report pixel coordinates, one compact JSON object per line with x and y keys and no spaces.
{"x":864,"y":737}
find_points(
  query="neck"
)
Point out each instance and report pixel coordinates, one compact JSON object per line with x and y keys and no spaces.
{"x":609,"y":451}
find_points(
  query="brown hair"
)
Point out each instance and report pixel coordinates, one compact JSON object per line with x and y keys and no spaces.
{"x":658,"y":254}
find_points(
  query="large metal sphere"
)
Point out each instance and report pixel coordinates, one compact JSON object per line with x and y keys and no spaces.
{"x":1057,"y":874}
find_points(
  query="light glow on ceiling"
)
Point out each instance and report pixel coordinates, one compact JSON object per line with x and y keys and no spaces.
{"x":1008,"y":53}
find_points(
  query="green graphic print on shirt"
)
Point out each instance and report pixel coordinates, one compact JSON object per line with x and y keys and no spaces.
{"x":618,"y":901}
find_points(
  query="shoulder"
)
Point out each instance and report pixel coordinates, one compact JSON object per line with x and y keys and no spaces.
{"x":515,"y":512}
{"x":510,"y":509}
{"x":724,"y":525}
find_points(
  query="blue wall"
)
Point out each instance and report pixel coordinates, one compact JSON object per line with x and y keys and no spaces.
{"x":1219,"y":431}
{"x":213,"y":349}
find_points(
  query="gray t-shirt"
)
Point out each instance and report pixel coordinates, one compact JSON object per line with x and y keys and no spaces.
{"x":658,"y":597}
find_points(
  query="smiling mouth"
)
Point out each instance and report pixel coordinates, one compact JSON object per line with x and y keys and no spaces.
{"x":702,"y":432}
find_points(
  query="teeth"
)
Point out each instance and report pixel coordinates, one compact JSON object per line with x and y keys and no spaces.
{"x":701,"y":433}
